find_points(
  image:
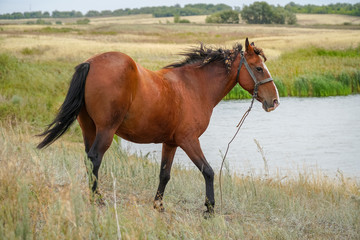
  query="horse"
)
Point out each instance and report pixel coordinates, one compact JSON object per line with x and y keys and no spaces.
{"x":112,"y":94}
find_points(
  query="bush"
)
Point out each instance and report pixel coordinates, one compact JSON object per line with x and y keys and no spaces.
{"x":83,"y":21}
{"x":291,"y":18}
{"x":178,"y":20}
{"x":224,"y":17}
{"x":42,"y":22}
{"x":184,"y":21}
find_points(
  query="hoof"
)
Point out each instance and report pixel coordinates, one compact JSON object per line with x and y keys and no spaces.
{"x":100,"y":201}
{"x":208,"y":214}
{"x":158,"y":205}
{"x":97,"y":198}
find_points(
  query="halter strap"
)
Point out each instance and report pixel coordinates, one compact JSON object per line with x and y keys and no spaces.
{"x":257,"y":83}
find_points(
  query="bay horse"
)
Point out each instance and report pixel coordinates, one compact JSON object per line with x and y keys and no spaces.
{"x":112,"y":94}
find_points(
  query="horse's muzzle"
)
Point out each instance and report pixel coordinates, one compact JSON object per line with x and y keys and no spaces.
{"x":270,"y":107}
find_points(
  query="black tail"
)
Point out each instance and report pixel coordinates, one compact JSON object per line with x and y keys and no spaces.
{"x":70,"y":109}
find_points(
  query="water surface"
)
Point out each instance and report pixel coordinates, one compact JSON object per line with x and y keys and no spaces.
{"x":301,"y":134}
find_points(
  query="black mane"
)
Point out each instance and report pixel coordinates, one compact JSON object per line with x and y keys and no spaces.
{"x":205,"y":55}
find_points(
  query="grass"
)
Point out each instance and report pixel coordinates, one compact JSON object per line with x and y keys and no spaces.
{"x":300,"y":59}
{"x":306,"y":72}
{"x":317,"y":72}
{"x":44,"y":195}
{"x":27,"y":87}
{"x":329,"y":19}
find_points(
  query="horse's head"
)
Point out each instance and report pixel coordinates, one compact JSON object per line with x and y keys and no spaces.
{"x":256,"y":77}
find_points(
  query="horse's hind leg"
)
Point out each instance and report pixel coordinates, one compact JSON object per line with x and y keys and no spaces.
{"x":167,"y":158}
{"x":102,"y":142}
{"x":88,"y":129}
{"x":96,"y":141}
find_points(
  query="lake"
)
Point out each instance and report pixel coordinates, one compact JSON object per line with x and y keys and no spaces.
{"x":311,"y":134}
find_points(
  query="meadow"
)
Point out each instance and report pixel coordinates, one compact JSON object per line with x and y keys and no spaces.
{"x":45,"y":195}
{"x":305,"y":60}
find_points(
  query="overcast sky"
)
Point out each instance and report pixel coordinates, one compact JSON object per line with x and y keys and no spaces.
{"x":10,"y":6}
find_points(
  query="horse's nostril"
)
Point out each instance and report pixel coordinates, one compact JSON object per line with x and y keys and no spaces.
{"x":276,"y":102}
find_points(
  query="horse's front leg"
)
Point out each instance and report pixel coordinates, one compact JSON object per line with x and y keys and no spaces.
{"x":193,"y":150}
{"x":168,"y":153}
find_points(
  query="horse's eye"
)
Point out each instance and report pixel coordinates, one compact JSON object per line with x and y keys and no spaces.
{"x":259,"y":69}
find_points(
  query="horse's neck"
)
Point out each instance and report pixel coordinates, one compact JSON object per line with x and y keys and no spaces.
{"x":218,"y":83}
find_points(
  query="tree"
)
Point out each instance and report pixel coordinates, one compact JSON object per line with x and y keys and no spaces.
{"x":263,"y":13}
{"x":278,"y":15}
{"x":92,"y":13}
{"x":257,"y":13}
{"x":291,"y":18}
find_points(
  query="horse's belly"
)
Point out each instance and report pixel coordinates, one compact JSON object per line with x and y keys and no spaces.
{"x":151,"y":133}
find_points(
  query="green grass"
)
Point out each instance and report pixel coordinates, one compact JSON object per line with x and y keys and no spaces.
{"x":44,"y":195}
{"x":314,"y":72}
{"x":29,"y":87}
{"x":37,"y":88}
{"x":31,"y":92}
{"x":318,"y":72}
{"x":327,"y":85}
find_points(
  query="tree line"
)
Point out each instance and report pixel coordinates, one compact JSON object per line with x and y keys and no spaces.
{"x":257,"y":13}
{"x":162,"y":11}
{"x":338,"y":8}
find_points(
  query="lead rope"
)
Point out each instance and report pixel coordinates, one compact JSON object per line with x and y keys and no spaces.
{"x":228,"y":146}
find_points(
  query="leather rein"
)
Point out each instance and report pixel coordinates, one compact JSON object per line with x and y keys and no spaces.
{"x":255,"y":92}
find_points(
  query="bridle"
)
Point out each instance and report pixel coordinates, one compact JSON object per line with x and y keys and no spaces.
{"x":257,"y":83}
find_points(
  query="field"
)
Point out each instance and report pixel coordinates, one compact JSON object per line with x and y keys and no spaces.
{"x":301,"y":58}
{"x":44,"y":194}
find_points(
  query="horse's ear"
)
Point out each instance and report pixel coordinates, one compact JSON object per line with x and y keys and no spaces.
{"x":252,"y":44}
{"x":248,"y":47}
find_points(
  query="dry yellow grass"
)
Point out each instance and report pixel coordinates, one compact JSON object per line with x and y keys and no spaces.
{"x":44,"y":195}
{"x":79,"y":49}
{"x":144,"y":19}
{"x":161,"y":40}
{"x":331,"y":19}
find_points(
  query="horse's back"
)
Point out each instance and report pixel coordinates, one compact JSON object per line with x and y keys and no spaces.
{"x":113,"y":63}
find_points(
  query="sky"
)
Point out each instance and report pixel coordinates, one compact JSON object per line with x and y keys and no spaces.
{"x":10,"y":6}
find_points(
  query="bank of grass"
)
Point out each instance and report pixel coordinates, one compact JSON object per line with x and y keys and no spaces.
{"x":31,"y":91}
{"x":44,"y":195}
{"x":313,"y":72}
{"x":31,"y":87}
